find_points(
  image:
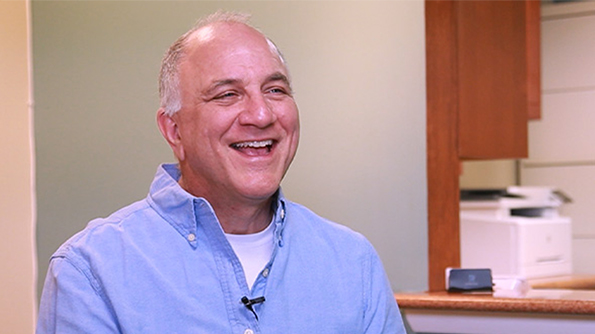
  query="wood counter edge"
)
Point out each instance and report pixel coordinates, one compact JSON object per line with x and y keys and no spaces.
{"x":488,"y":303}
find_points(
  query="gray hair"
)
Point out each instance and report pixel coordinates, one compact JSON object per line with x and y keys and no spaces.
{"x":169,"y":80}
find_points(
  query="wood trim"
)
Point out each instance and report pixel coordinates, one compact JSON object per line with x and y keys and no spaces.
{"x":533,"y":17}
{"x":442,"y":153}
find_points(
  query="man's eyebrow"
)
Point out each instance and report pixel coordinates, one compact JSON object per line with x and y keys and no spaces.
{"x":220,"y":83}
{"x":278,"y":76}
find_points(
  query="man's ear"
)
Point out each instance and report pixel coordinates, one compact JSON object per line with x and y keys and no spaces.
{"x":170,"y":131}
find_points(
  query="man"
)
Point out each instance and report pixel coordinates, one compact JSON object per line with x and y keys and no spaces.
{"x":216,"y":247}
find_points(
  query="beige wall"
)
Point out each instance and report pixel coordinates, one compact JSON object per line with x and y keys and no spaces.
{"x":17,"y":273}
{"x":488,"y":174}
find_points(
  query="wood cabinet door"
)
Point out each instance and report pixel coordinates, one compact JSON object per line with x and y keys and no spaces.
{"x":493,"y":73}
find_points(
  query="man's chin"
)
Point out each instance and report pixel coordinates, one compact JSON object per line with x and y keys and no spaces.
{"x":259,"y":191}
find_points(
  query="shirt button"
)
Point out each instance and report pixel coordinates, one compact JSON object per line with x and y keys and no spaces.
{"x":265,"y":272}
{"x":248,"y":331}
{"x":282,"y":214}
{"x":191,"y":237}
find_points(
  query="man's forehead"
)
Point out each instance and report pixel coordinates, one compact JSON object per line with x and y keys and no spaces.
{"x":221,"y":52}
{"x":204,"y":34}
{"x":238,"y":41}
{"x":224,"y":33}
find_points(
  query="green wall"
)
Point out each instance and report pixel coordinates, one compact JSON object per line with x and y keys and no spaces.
{"x":359,"y":75}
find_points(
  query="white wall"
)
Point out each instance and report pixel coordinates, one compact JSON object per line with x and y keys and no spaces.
{"x":17,"y":276}
{"x":561,"y":144}
{"x":359,"y":76}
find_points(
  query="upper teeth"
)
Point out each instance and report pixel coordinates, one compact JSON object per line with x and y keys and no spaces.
{"x":254,"y":144}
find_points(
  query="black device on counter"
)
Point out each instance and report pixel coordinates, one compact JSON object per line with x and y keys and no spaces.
{"x":469,"y":280}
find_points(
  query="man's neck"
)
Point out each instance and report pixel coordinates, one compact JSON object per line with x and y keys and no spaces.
{"x":236,"y":215}
{"x":243,"y":219}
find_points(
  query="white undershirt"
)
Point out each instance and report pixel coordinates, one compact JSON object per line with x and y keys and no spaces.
{"x":253,"y":250}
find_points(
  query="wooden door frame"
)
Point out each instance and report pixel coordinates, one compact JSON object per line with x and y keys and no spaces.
{"x":443,"y":166}
{"x":442,"y":127}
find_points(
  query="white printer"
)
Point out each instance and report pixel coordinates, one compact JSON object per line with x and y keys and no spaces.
{"x":516,"y":232}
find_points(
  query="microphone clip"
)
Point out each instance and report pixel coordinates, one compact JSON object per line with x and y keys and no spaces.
{"x":249,"y":302}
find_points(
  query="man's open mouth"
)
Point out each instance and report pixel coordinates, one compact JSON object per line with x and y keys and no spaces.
{"x":253,"y":145}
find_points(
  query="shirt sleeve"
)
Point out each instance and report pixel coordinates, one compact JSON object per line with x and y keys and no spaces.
{"x":71,"y":304}
{"x":381,"y":313}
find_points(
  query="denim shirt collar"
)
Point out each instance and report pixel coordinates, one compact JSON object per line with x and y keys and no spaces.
{"x":186,"y":213}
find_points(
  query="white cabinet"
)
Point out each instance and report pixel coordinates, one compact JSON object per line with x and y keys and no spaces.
{"x":476,"y":322}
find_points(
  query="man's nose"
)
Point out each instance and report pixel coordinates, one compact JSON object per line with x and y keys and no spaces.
{"x":257,"y":111}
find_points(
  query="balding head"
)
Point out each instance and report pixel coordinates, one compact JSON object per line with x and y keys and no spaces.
{"x":203,"y":31}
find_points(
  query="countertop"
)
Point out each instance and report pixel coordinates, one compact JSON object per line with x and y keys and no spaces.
{"x":559,"y":301}
{"x":575,"y":282}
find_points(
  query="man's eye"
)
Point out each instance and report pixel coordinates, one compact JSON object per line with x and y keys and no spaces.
{"x":277,"y":90}
{"x":225,"y":95}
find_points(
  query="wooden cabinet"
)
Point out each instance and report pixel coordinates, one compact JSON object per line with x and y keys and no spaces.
{"x":482,"y":87}
{"x":496,"y":76}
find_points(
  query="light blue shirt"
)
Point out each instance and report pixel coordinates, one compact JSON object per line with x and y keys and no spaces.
{"x":163,"y":265}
